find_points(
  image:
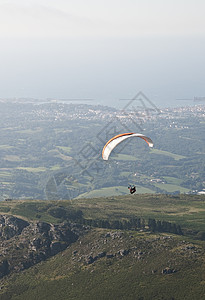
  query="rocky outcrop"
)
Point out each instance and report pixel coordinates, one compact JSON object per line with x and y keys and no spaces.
{"x":124,"y":252}
{"x":168,"y":270}
{"x":23,"y":244}
{"x":11,"y":226}
{"x":4,"y":268}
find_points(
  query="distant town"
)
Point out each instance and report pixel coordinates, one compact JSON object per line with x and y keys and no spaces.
{"x":39,"y":139}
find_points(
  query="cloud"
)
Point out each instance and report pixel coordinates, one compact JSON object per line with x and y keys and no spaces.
{"x":36,"y":20}
{"x":100,"y":19}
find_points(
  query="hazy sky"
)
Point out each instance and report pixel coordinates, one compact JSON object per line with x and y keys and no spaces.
{"x":104,"y":50}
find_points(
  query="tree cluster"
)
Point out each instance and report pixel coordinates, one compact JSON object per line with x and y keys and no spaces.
{"x":164,"y":226}
{"x":131,"y":224}
{"x":135,"y":224}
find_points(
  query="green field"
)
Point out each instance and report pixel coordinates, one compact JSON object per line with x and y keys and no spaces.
{"x":166,"y":153}
{"x":173,"y":180}
{"x":171,"y":187}
{"x":125,"y":174}
{"x":123,"y":157}
{"x":55,"y":168}
{"x":64,"y":148}
{"x":30,"y":131}
{"x":32,"y":170}
{"x":113,"y":191}
{"x":4,"y":173}
{"x":6,"y":147}
{"x":13,"y":158}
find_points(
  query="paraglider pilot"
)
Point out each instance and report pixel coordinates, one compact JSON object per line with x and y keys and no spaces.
{"x":132,"y":189}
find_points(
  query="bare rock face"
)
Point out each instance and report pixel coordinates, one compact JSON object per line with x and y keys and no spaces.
{"x":123,"y":252}
{"x":101,"y":254}
{"x":23,"y":244}
{"x":168,"y":270}
{"x":4,"y":268}
{"x":56,"y":247}
{"x":11,"y":226}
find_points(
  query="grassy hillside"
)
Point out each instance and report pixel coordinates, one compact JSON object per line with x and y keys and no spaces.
{"x":134,"y":266}
{"x":185,"y":210}
{"x":116,"y":264}
{"x":113,"y":191}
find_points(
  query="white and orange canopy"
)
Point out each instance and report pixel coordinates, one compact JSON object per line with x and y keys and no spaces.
{"x":113,"y":142}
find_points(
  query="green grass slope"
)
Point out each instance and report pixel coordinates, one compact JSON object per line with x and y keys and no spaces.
{"x":113,"y":264}
{"x":113,"y":191}
{"x":185,"y":210}
{"x":136,"y":274}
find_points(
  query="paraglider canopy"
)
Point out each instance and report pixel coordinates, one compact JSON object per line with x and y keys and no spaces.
{"x":113,"y":142}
